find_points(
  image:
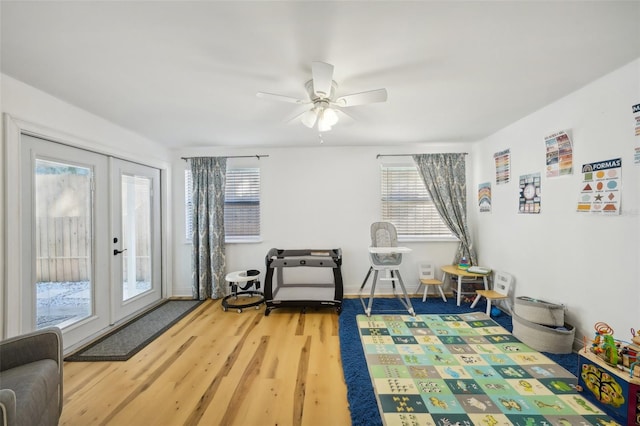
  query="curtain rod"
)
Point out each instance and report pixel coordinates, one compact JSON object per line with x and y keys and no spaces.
{"x":410,"y":155}
{"x":232,"y":156}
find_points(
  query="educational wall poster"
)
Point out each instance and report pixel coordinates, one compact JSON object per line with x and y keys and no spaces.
{"x":503,"y":166}
{"x":529,"y":193}
{"x":559,"y":154}
{"x":484,"y":197}
{"x":601,"y":187}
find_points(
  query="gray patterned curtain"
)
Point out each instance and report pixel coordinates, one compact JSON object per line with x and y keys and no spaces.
{"x":444,"y":176}
{"x":208,"y":256}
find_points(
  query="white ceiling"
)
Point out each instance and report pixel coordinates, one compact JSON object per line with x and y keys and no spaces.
{"x":185,"y":74}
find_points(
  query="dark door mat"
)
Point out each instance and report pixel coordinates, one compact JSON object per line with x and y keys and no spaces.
{"x":124,"y":342}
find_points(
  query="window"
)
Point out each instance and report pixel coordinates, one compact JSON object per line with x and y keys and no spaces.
{"x":407,"y":204}
{"x":241,"y":205}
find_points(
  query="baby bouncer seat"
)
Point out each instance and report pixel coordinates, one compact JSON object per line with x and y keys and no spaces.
{"x":385,"y":256}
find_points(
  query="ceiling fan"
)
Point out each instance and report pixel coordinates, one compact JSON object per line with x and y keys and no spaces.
{"x":324,"y":104}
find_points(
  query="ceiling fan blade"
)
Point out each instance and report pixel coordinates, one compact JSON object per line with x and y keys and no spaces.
{"x":280,"y":98}
{"x":369,"y":97}
{"x":322,"y":74}
{"x":309,"y":118}
{"x":296,"y":115}
{"x":349,"y":118}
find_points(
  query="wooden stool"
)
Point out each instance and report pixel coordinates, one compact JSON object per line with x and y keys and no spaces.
{"x":427,"y":278}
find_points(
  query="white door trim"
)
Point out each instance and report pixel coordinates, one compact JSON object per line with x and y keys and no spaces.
{"x":10,"y":263}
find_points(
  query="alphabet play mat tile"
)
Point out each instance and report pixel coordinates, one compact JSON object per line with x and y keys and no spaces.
{"x":466,"y":370}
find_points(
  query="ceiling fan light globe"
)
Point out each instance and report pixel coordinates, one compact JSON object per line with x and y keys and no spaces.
{"x":323,"y":125}
{"x":309,"y":118}
{"x":330,"y":116}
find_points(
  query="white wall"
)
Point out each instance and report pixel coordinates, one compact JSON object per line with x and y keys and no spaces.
{"x":315,"y":197}
{"x":26,"y":103}
{"x":39,"y":112}
{"x":326,"y":197}
{"x":589,"y":263}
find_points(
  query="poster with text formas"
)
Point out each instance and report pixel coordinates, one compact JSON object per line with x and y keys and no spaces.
{"x":601,"y":187}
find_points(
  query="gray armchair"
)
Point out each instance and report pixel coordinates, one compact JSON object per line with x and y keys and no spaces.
{"x":31,"y":379}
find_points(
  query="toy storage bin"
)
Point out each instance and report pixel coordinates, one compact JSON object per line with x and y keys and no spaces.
{"x":544,"y":338}
{"x":539,"y":311}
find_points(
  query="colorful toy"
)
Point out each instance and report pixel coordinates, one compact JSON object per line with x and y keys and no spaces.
{"x":602,"y":329}
{"x":464,"y":264}
{"x":632,"y":367}
{"x":604,"y":345}
{"x":610,"y":350}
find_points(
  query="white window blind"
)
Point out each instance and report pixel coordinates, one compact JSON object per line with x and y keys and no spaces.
{"x":241,"y":205}
{"x":407,"y":204}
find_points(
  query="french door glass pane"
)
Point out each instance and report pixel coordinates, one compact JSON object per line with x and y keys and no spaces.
{"x":63,"y":243}
{"x":136,"y":233}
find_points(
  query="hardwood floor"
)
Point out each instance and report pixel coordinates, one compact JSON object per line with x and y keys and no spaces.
{"x":219,"y":368}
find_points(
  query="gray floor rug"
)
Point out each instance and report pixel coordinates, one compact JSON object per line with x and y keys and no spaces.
{"x":124,"y":342}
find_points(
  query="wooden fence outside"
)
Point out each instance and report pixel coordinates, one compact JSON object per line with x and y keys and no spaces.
{"x":63,"y":249}
{"x":64,"y":238}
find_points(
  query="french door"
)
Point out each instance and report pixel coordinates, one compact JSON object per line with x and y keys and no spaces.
{"x":90,"y":239}
{"x":136,"y":237}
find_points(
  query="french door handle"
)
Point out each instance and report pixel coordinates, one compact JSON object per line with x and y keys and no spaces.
{"x":117,"y":252}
